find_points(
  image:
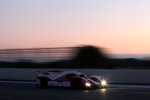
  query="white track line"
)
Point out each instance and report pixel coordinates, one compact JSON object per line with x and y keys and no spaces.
{"x":19,"y":82}
{"x":128,"y":86}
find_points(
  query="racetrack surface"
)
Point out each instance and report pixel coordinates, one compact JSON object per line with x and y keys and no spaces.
{"x":24,"y":91}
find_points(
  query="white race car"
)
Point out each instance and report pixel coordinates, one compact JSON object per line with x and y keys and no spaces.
{"x":74,"y":79}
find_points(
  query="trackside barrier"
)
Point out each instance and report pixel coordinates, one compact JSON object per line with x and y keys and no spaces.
{"x":139,"y":76}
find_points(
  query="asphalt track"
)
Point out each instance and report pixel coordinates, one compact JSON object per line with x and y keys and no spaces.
{"x":25,"y":91}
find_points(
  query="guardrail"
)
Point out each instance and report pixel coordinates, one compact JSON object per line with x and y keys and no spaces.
{"x":139,"y":76}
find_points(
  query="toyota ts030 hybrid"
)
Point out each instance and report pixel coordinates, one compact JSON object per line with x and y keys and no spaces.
{"x":74,"y":79}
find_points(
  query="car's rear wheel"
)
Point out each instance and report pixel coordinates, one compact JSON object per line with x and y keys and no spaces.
{"x":43,"y":83}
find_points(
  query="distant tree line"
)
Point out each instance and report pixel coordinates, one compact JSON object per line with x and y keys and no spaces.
{"x":85,"y":57}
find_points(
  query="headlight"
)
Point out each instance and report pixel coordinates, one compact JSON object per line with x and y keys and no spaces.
{"x":103,"y":83}
{"x":87,"y":84}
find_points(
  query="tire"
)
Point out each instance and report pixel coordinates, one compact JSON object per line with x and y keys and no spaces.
{"x":76,"y":83}
{"x":43,"y":83}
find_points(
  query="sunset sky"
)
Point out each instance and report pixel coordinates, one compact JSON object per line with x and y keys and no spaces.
{"x":120,"y":26}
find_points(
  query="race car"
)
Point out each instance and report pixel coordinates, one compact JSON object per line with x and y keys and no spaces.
{"x":73,"y":79}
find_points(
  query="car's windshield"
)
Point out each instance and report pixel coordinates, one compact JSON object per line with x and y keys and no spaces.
{"x":83,"y":75}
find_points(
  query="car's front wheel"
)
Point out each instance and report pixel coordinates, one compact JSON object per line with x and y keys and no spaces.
{"x":43,"y":83}
{"x":76,"y":83}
